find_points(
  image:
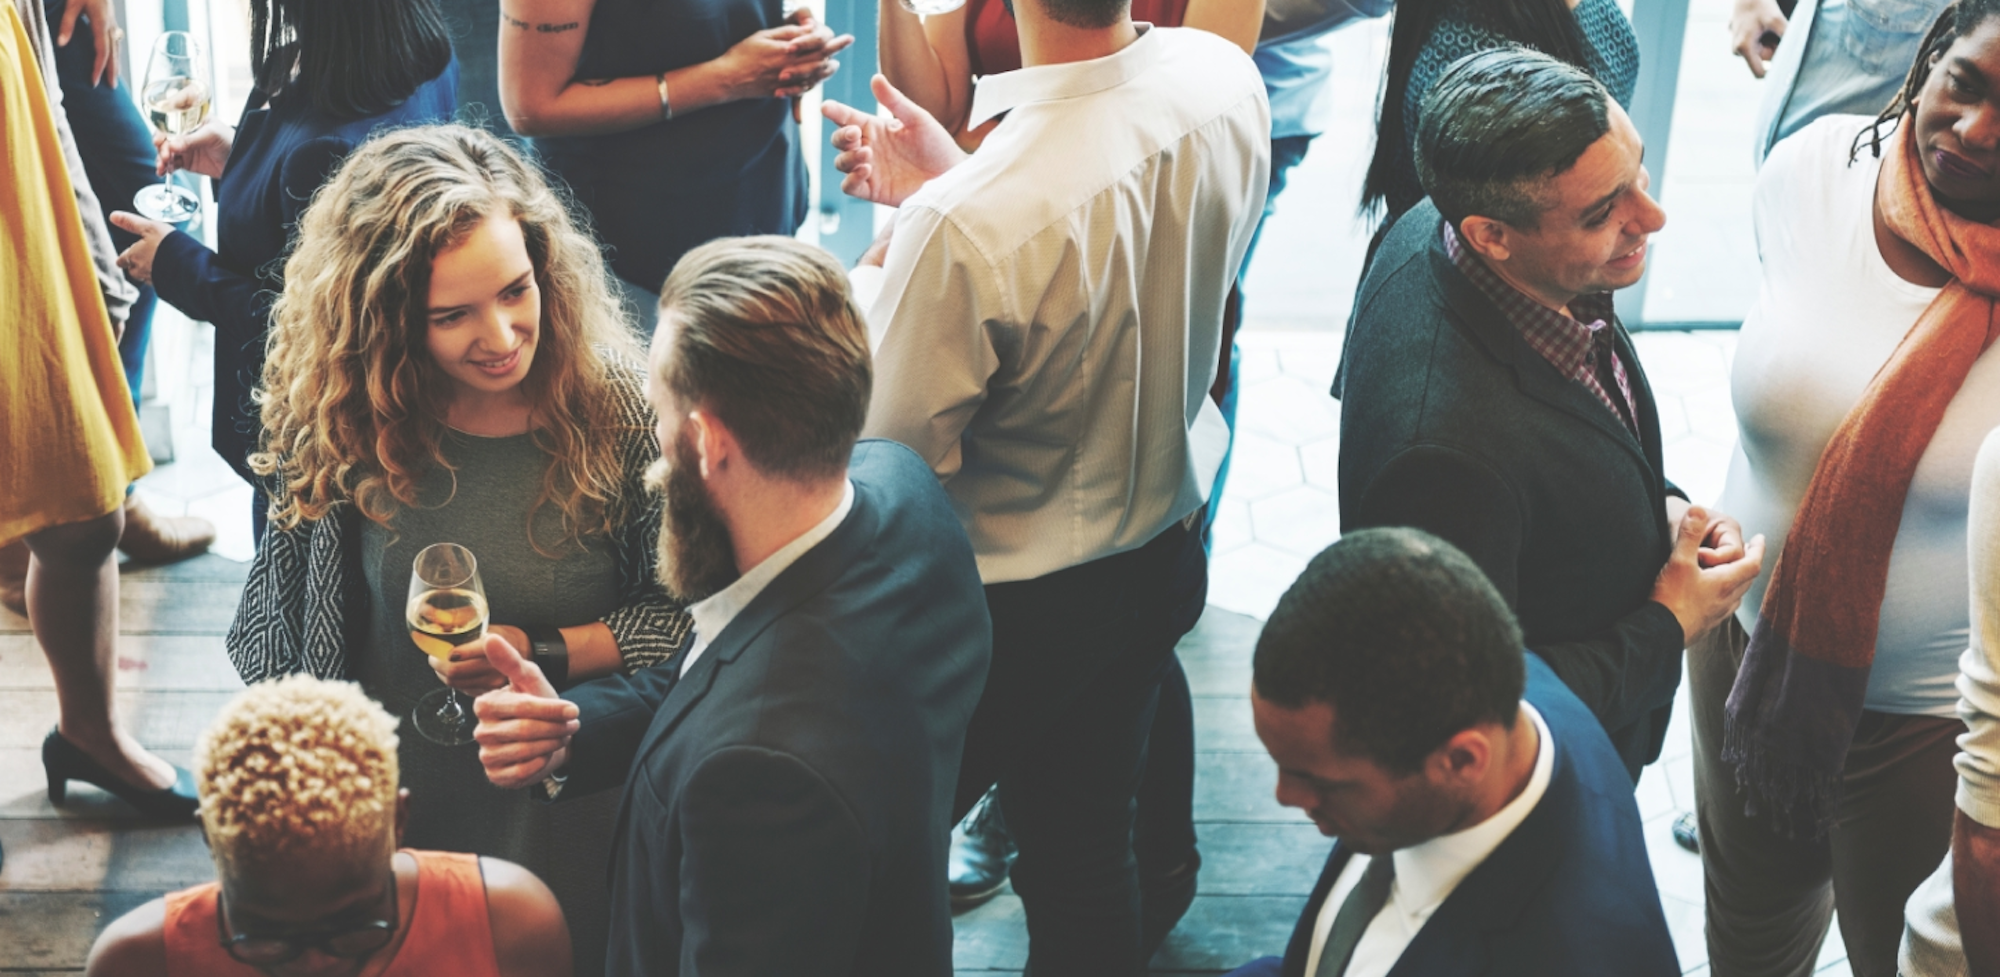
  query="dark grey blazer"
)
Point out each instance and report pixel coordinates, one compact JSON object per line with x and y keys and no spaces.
{"x":1451,"y":423}
{"x":788,"y":802}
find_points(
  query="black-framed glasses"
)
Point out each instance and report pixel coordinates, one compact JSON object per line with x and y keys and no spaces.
{"x":347,"y":942}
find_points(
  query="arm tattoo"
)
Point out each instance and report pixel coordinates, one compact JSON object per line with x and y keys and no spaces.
{"x":557,"y":28}
{"x":515,"y":22}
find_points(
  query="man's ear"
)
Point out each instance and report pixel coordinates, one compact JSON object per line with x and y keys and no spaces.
{"x":1489,"y":238}
{"x":706,"y":433}
{"x":1463,"y":759}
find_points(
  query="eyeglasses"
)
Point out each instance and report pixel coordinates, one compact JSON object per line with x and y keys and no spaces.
{"x":348,"y":942}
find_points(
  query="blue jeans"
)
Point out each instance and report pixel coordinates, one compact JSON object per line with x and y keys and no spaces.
{"x":1286,"y":152}
{"x":118,"y":157}
{"x":1857,"y":54}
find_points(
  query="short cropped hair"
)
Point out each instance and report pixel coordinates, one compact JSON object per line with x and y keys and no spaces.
{"x":768,"y":339}
{"x":1086,"y":14}
{"x":298,"y":766}
{"x":1403,"y":636}
{"x":1500,"y":121}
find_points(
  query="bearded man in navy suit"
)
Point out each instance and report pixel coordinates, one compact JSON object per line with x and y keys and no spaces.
{"x":1485,"y":825}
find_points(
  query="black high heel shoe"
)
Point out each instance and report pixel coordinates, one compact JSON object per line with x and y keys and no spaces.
{"x":64,"y":762}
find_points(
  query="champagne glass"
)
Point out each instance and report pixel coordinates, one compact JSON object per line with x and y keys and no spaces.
{"x":177,"y":97}
{"x":447,"y":610}
{"x":931,"y":8}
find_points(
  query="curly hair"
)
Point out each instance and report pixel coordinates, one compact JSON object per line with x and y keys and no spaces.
{"x":1953,"y":22}
{"x":297,"y":765}
{"x":353,"y":403}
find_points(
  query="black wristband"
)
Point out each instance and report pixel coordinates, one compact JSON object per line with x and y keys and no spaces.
{"x":548,"y":650}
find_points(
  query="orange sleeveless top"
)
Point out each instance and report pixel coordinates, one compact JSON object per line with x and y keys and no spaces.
{"x":449,"y":931}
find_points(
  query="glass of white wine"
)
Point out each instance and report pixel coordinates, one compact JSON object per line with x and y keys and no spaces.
{"x":177,"y":97}
{"x":447,"y":610}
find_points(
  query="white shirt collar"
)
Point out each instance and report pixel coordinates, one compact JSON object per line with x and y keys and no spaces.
{"x":1427,"y":873}
{"x":1008,"y":90}
{"x":712,"y":615}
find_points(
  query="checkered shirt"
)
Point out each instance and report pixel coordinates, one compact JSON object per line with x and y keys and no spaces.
{"x":1567,"y":343}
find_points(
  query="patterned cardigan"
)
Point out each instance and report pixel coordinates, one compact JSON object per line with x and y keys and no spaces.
{"x":306,"y":600}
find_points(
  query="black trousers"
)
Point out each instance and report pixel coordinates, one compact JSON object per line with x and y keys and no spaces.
{"x":1078,"y":657}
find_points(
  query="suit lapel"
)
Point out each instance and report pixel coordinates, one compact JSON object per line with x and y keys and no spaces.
{"x":1534,"y":375}
{"x":1300,"y":947}
{"x":1458,"y":938}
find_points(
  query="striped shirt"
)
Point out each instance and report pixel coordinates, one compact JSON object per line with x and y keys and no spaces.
{"x":1571,"y":345}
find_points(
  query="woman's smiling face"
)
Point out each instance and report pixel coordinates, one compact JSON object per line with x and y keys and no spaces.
{"x":485,"y":309}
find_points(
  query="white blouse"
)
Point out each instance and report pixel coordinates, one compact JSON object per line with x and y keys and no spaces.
{"x":1829,"y":314}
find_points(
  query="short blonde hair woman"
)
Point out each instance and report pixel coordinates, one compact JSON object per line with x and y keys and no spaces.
{"x":447,"y":364}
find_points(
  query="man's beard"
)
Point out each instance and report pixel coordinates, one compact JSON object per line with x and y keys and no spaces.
{"x":697,"y":558}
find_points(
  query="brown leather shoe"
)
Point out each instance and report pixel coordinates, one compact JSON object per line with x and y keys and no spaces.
{"x":153,"y":538}
{"x":14,"y":577}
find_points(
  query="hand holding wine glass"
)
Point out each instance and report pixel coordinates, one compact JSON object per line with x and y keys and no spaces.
{"x":177,"y":97}
{"x":447,"y":609}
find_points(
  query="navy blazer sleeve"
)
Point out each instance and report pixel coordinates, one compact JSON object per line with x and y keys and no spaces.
{"x":750,"y":815}
{"x":1461,"y":499}
{"x":193,"y":279}
{"x":615,"y":712}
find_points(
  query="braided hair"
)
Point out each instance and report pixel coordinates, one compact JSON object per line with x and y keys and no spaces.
{"x":1956,"y":21}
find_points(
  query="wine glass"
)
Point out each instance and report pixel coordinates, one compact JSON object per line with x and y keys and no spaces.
{"x":447,"y":610}
{"x":177,"y":97}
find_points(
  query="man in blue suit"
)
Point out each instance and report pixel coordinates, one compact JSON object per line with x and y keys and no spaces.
{"x":789,"y":777}
{"x":1484,"y":827}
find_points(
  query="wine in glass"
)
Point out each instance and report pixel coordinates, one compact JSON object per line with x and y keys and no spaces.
{"x":447,"y":610}
{"x":177,"y":97}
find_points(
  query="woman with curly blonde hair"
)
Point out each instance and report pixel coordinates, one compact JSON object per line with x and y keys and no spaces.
{"x":447,"y":364}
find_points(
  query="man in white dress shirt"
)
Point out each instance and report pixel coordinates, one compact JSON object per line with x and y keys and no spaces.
{"x":1485,"y":824}
{"x":1047,"y":318}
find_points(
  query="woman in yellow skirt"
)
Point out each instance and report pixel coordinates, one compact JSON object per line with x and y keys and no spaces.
{"x":69,"y":445}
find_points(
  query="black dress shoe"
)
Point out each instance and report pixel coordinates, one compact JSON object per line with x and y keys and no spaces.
{"x":1687,"y":832}
{"x":981,"y":854}
{"x":64,"y":762}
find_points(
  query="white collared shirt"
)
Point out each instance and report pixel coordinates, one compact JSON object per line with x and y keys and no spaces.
{"x":1426,"y":874}
{"x":1050,"y":310}
{"x":715,"y":613}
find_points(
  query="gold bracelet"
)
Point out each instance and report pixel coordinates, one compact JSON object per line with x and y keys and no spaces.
{"x":666,"y":108}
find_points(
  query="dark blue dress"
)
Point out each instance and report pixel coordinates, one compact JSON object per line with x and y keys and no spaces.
{"x":656,"y":192}
{"x":285,"y":148}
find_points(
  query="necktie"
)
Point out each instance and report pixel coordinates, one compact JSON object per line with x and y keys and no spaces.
{"x":1364,"y":901}
{"x":1602,"y":361}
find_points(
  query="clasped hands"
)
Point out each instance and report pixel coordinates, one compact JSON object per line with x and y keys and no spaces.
{"x":1709,"y":571}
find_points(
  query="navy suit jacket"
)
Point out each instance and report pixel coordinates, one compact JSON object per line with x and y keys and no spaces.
{"x":1569,"y":894}
{"x":285,"y":149}
{"x":788,"y":807}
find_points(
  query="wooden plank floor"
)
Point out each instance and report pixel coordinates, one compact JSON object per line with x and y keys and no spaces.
{"x":71,"y":870}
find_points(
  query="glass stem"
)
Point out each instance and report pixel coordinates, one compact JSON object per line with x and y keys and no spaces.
{"x":451,"y":712}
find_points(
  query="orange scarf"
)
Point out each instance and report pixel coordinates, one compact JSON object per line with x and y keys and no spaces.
{"x":1791,"y":715}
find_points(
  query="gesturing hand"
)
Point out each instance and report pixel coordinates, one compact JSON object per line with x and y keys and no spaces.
{"x":887,"y":158}
{"x":1748,"y":24}
{"x":137,"y":261}
{"x":524,"y":728}
{"x":1701,"y":593}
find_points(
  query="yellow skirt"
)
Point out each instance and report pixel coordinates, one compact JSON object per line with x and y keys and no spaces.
{"x":69,"y":440}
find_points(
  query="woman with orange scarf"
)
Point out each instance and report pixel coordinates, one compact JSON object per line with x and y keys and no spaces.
{"x":1864,"y":384}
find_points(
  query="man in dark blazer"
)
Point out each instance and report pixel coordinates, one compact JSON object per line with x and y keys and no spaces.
{"x":1490,"y":396}
{"x":1485,"y":826}
{"x":789,"y":777}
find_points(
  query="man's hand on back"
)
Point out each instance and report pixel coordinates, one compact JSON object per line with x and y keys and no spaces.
{"x":887,"y":158}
